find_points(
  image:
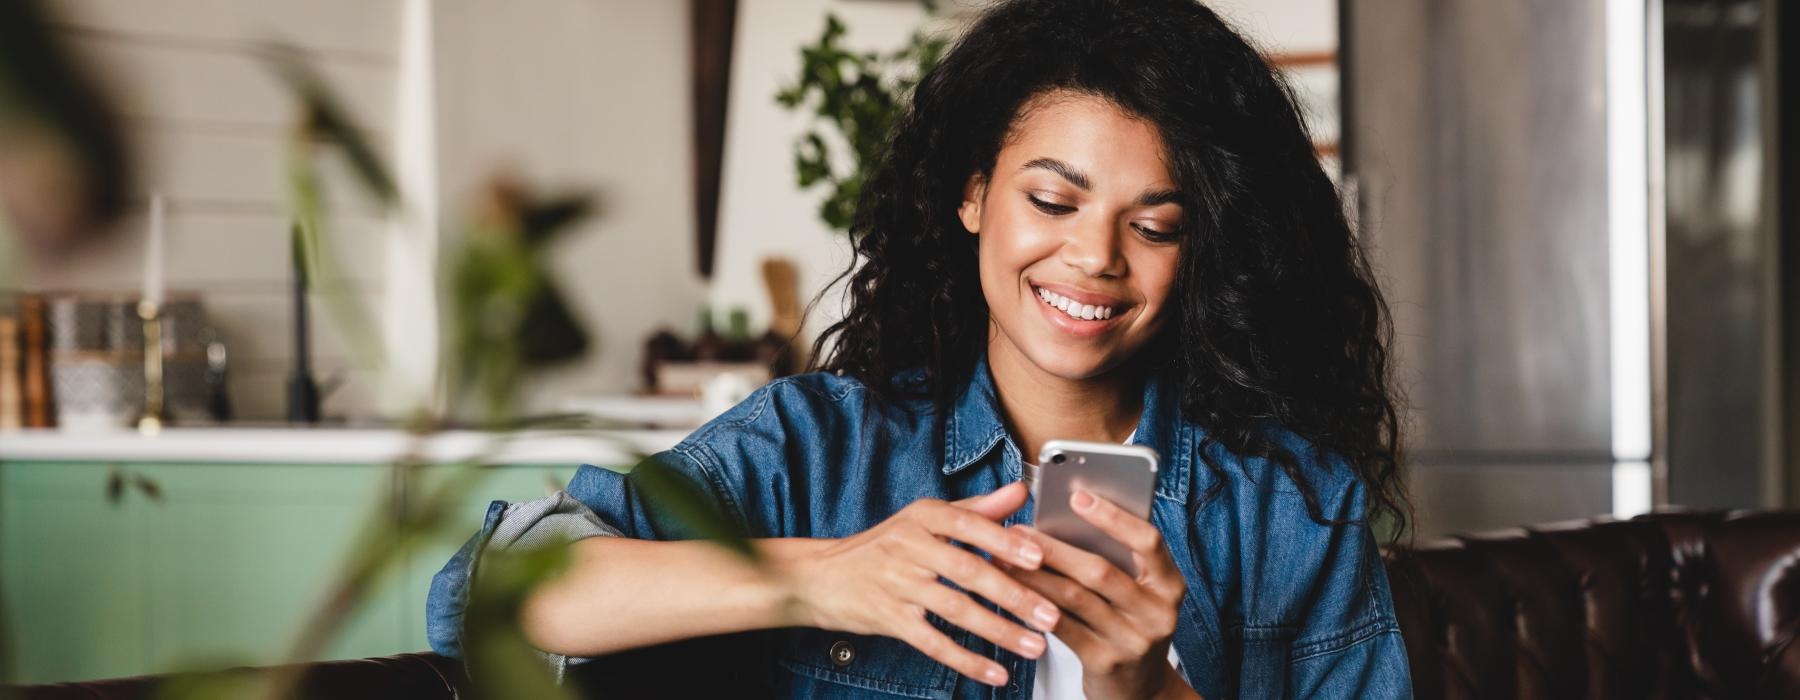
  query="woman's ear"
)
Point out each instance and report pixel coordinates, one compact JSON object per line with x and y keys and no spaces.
{"x":970,"y":211}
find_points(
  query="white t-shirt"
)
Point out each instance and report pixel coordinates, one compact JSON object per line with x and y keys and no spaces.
{"x":1059,"y":669}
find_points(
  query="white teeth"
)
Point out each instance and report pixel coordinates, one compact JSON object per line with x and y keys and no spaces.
{"x":1075,"y":309}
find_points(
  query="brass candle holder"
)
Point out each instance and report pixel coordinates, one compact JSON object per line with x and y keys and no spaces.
{"x":152,"y":421}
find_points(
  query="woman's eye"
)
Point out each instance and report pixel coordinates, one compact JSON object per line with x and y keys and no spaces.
{"x":1051,"y":208}
{"x":1154,"y":235}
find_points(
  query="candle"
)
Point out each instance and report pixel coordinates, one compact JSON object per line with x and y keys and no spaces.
{"x":153,"y":252}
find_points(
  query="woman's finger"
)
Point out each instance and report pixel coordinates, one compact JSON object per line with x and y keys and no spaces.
{"x":915,"y":631}
{"x":1094,"y":612}
{"x":1090,"y":570}
{"x":1137,"y":534}
{"x":975,"y":529}
{"x":979,"y":576}
{"x":997,"y":504}
{"x":959,"y":609}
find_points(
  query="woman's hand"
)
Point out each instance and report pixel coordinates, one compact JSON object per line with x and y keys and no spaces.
{"x":1117,"y":624}
{"x":884,"y":580}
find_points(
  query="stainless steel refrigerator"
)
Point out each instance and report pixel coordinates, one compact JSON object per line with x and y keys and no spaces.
{"x":1572,"y":206}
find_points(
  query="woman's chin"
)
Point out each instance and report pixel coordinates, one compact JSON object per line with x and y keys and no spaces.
{"x":1072,"y":365}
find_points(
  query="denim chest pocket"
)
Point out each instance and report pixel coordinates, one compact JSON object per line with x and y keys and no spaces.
{"x":822,"y":663}
{"x":1262,"y":653}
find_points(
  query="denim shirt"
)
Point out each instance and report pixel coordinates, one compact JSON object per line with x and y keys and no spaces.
{"x":1277,"y":604}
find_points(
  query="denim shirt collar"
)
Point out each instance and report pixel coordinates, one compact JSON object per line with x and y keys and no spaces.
{"x":973,"y":429}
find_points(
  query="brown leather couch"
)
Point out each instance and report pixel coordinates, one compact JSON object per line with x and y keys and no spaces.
{"x":1669,"y":605}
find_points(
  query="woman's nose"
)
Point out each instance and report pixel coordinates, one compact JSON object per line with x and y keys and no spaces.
{"x":1093,"y":249}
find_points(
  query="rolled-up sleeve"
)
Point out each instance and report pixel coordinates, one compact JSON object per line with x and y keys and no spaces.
{"x":557,"y":519}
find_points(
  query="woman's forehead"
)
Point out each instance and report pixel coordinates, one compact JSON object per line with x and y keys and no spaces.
{"x":1090,"y":135}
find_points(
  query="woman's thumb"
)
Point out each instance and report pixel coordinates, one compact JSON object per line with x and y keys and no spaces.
{"x":999,"y":503}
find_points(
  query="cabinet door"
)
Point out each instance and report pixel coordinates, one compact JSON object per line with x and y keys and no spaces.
{"x":69,"y":564}
{"x":509,"y":483}
{"x":241,"y":557}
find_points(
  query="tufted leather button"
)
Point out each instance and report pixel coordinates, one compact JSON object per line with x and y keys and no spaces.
{"x":842,"y":653}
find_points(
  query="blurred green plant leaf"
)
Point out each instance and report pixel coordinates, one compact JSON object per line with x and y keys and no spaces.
{"x":500,"y":662}
{"x":506,"y":313}
{"x":685,"y":502}
{"x":301,"y":258}
{"x":324,"y":118}
{"x":222,"y":685}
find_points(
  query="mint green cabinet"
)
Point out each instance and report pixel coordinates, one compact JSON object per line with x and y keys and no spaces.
{"x":223,"y":568}
{"x":241,"y":555}
{"x":71,"y":568}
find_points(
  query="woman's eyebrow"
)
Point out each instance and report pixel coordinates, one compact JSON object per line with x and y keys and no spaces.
{"x":1080,"y":179}
{"x":1151,"y":199}
{"x":1068,"y":172}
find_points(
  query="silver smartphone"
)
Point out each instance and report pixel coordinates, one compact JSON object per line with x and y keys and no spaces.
{"x":1122,"y":474}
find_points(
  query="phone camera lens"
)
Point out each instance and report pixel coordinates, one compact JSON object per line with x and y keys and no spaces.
{"x":1058,"y":458}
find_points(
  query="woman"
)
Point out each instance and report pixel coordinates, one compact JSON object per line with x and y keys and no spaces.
{"x":1099,"y":220}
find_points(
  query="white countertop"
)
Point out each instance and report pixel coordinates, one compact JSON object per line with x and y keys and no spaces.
{"x":332,"y":445}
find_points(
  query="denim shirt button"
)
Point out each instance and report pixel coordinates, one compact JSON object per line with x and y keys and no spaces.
{"x":842,"y":653}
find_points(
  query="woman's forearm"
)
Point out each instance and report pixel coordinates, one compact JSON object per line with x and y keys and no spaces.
{"x":621,"y":593}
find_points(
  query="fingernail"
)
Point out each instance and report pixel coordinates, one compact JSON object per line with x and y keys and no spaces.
{"x":1032,"y":644}
{"x":1045,"y":613}
{"x":995,"y":675}
{"x":1031,"y":554}
{"x":1083,"y":500}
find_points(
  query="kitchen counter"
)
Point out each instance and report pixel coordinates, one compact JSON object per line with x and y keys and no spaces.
{"x":331,"y":446}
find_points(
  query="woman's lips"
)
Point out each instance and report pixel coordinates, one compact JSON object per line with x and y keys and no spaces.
{"x":1079,"y":312}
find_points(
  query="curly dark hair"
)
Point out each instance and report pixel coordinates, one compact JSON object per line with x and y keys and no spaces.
{"x":1278,"y":318}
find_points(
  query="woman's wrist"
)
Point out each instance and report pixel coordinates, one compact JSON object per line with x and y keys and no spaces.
{"x":782,"y":592}
{"x":1175,"y":687}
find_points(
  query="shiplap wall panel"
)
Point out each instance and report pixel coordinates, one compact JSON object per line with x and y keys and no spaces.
{"x":213,"y":252}
{"x":355,"y":28}
{"x":224,"y":86}
{"x":231,"y":169}
{"x":208,"y":124}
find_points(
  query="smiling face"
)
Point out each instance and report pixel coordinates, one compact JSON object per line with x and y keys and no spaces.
{"x":1078,"y":232}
